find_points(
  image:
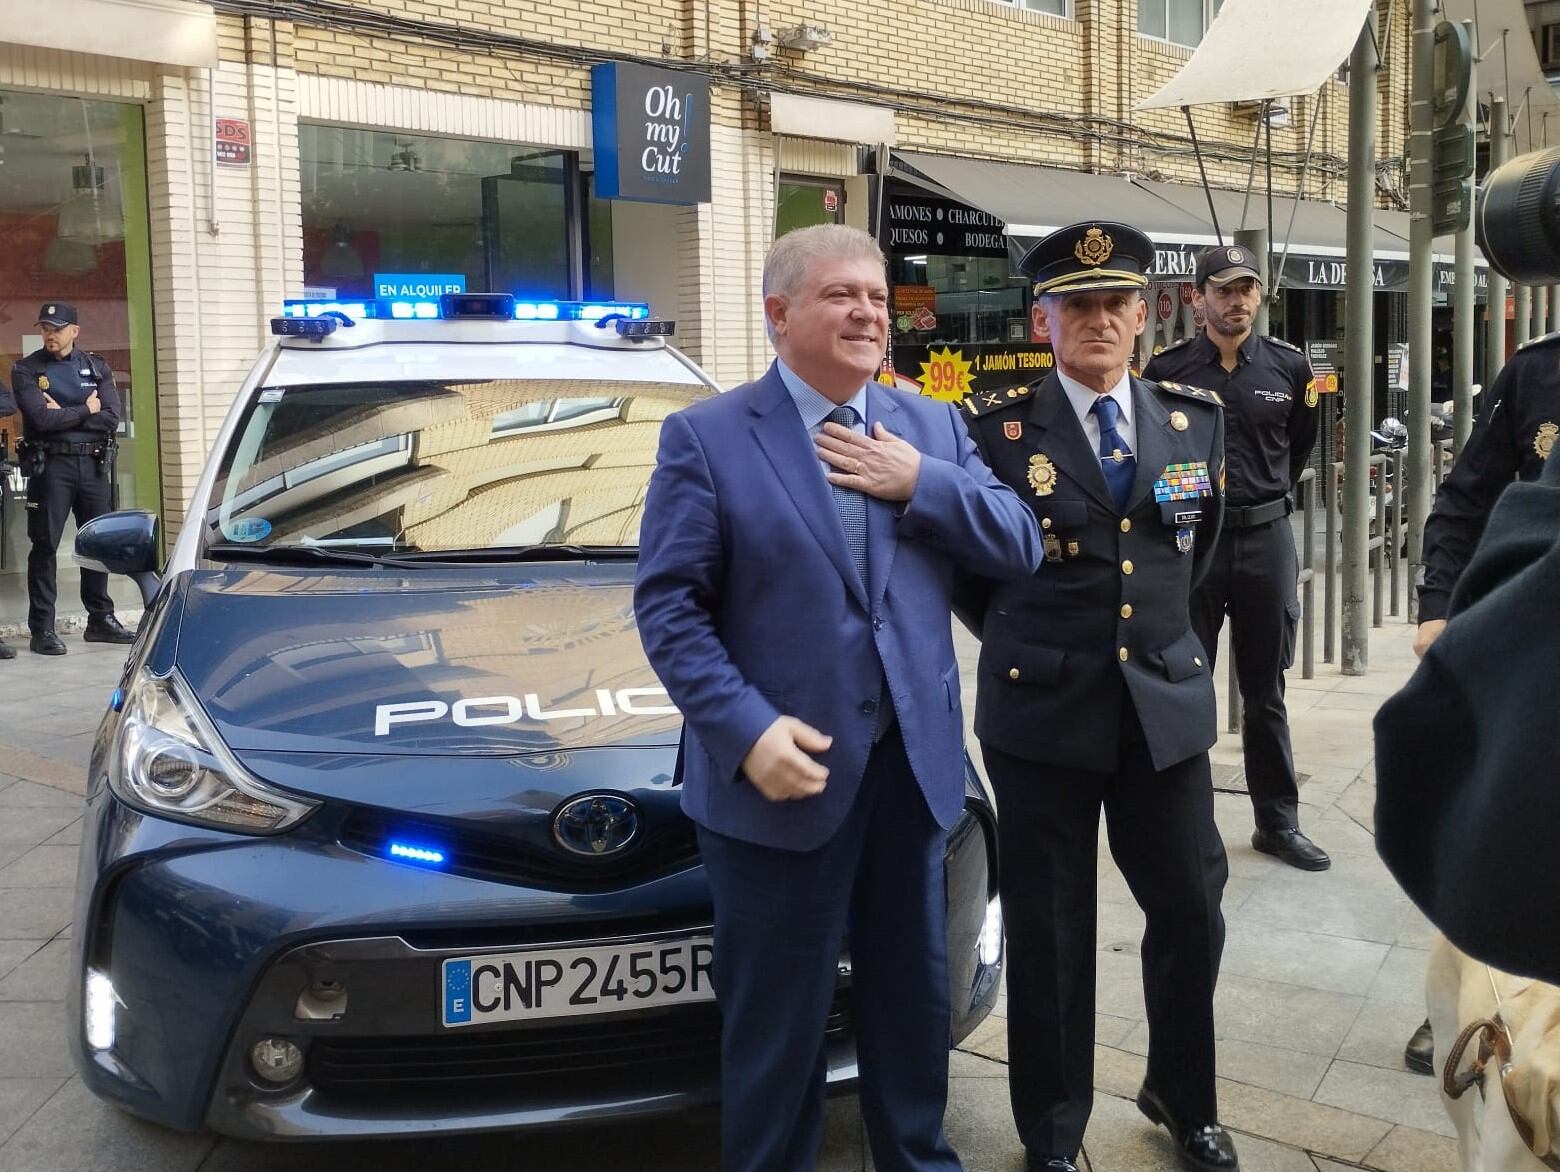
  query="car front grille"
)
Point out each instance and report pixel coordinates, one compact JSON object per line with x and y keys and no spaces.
{"x":500,"y":858}
{"x":593,"y":1056}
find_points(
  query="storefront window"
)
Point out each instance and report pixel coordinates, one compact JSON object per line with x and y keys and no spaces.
{"x":73,"y":221}
{"x":805,"y":202}
{"x":489,"y":215}
{"x":959,"y":311}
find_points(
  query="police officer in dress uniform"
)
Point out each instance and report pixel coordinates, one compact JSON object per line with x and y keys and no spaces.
{"x":1269,"y":398}
{"x":7,"y":408}
{"x":1511,"y":439}
{"x":1094,"y":691}
{"x":71,"y":411}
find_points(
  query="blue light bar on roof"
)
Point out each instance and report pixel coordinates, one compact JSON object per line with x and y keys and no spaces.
{"x":470,"y":306}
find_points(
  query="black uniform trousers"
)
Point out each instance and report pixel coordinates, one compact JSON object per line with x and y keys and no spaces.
{"x":1162,"y":836}
{"x":1251,"y":577}
{"x":68,"y":484}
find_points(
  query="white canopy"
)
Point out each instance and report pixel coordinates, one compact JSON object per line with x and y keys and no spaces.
{"x":1511,"y":71}
{"x":1259,"y":49}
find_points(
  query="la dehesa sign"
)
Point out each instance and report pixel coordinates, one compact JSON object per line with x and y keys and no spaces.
{"x":651,"y":133}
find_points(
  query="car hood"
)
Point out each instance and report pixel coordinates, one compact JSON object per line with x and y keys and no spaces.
{"x":435,"y":662}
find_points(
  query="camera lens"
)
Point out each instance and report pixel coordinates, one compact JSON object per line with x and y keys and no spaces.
{"x":1518,"y":218}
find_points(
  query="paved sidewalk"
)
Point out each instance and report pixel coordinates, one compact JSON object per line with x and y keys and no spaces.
{"x":1321,"y":985}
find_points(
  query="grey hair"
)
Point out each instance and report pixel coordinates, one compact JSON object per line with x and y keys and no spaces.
{"x":794,"y":253}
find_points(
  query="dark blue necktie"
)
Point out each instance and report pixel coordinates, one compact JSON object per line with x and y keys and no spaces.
{"x":851,"y":504}
{"x":1116,"y":459}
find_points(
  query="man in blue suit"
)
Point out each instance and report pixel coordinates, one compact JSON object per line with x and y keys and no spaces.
{"x":795,"y":577}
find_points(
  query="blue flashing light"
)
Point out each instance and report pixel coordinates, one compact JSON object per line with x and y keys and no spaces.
{"x":426,"y":856}
{"x":466,"y":306}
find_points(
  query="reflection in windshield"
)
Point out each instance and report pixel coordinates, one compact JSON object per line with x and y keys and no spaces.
{"x":443,"y":466}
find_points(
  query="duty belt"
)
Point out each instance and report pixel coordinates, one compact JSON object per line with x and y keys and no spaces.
{"x":66,"y":448}
{"x":1250,"y":516}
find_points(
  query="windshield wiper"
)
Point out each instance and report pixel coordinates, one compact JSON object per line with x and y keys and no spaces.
{"x":526,"y":553}
{"x":330,"y":555}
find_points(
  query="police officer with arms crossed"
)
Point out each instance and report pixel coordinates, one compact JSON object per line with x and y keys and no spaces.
{"x":71,"y":411}
{"x":1511,"y":440}
{"x":1095,"y":692}
{"x":1269,"y":396}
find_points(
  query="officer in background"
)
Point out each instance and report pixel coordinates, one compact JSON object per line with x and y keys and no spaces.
{"x":71,"y":411}
{"x":7,"y":409}
{"x":1094,"y":692}
{"x":1269,"y":398}
{"x":1511,"y":440}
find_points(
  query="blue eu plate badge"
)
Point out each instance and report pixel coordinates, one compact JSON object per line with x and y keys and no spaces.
{"x":457,"y":991}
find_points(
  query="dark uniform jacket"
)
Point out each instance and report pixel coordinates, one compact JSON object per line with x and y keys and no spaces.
{"x":69,"y":382}
{"x":1106,"y":613}
{"x":1511,"y":439}
{"x":1466,"y":800}
{"x":1269,"y":409}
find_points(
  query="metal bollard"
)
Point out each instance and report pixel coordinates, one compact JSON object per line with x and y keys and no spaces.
{"x":1305,"y":488}
{"x":1377,"y":545}
{"x":1395,"y":550}
{"x":1330,"y":564}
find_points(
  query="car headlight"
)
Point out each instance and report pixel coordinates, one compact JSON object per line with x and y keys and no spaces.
{"x":169,"y":761}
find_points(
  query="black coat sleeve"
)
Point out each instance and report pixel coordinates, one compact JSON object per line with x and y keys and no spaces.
{"x":1213,"y":522}
{"x":107,"y":419}
{"x":40,"y":418}
{"x":1487,"y":465}
{"x":1302,"y":419}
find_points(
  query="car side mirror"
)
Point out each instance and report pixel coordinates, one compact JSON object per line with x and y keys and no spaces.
{"x":122,"y":543}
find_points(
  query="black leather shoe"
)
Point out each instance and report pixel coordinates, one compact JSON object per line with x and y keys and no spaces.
{"x":1205,"y":1147}
{"x":1419,"y":1054}
{"x":1038,"y":1163}
{"x":7,"y":651}
{"x":107,"y":630}
{"x":46,"y":643}
{"x":1290,"y":846}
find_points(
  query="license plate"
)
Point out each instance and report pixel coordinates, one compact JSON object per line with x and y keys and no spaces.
{"x":572,"y":982}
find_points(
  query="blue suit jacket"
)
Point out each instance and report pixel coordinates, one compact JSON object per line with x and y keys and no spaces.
{"x":750,"y":607}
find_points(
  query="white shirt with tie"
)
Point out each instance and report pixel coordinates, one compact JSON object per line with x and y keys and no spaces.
{"x":1082,"y":399}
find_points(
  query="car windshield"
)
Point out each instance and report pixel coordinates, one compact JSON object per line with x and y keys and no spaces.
{"x":458,"y":467}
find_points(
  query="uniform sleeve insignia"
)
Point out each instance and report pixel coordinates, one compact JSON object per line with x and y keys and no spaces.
{"x":1544,"y":441}
{"x":1310,"y":393}
{"x":43,"y":382}
{"x":1042,"y":474}
{"x":1013,"y":428}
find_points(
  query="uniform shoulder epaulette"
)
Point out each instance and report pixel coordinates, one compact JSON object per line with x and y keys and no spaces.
{"x":1176,"y":345}
{"x":1210,"y":398}
{"x":1284,"y":344}
{"x":978,"y":404}
{"x":1540,"y":340}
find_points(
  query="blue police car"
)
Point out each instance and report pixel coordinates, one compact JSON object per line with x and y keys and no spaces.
{"x":383,"y":834}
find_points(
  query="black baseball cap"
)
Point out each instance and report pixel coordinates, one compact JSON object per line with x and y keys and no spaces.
{"x":57,"y":313}
{"x":1227,"y":262}
{"x":1094,"y":255}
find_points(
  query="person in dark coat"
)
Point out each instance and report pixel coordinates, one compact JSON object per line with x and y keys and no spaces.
{"x":1467,"y":809}
{"x":1095,"y":694}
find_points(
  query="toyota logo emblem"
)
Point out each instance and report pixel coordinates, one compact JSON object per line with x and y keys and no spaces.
{"x":596,"y":824}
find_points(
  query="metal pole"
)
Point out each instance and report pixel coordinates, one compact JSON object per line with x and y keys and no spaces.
{"x":1359,"y":347}
{"x":1521,"y":313}
{"x":1256,"y":239}
{"x":1414,"y":481}
{"x":1495,"y":338}
{"x":1540,"y":311}
{"x":1553,"y":323}
{"x":1463,"y":307}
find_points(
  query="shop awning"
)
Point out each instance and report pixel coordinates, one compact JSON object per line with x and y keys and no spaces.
{"x":1235,"y":61}
{"x":166,"y":32}
{"x":1031,"y":201}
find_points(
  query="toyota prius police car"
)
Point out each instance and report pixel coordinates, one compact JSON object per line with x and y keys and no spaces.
{"x":383,"y":832}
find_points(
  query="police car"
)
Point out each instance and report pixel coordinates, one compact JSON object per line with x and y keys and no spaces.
{"x":383,"y":833}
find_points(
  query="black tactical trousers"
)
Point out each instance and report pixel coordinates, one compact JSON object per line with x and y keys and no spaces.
{"x":1162,"y":836}
{"x":68,"y":484}
{"x":1251,"y":577}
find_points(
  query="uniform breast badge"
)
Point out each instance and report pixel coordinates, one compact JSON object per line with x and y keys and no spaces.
{"x":1179,"y":421}
{"x":1053,"y":547}
{"x":1012,"y":428}
{"x":1183,"y":539}
{"x":1179,"y":492}
{"x":43,"y":382}
{"x":1042,"y":474}
{"x":1544,"y":441}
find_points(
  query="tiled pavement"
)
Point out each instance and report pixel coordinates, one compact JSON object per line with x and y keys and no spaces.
{"x":1320,"y":988}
